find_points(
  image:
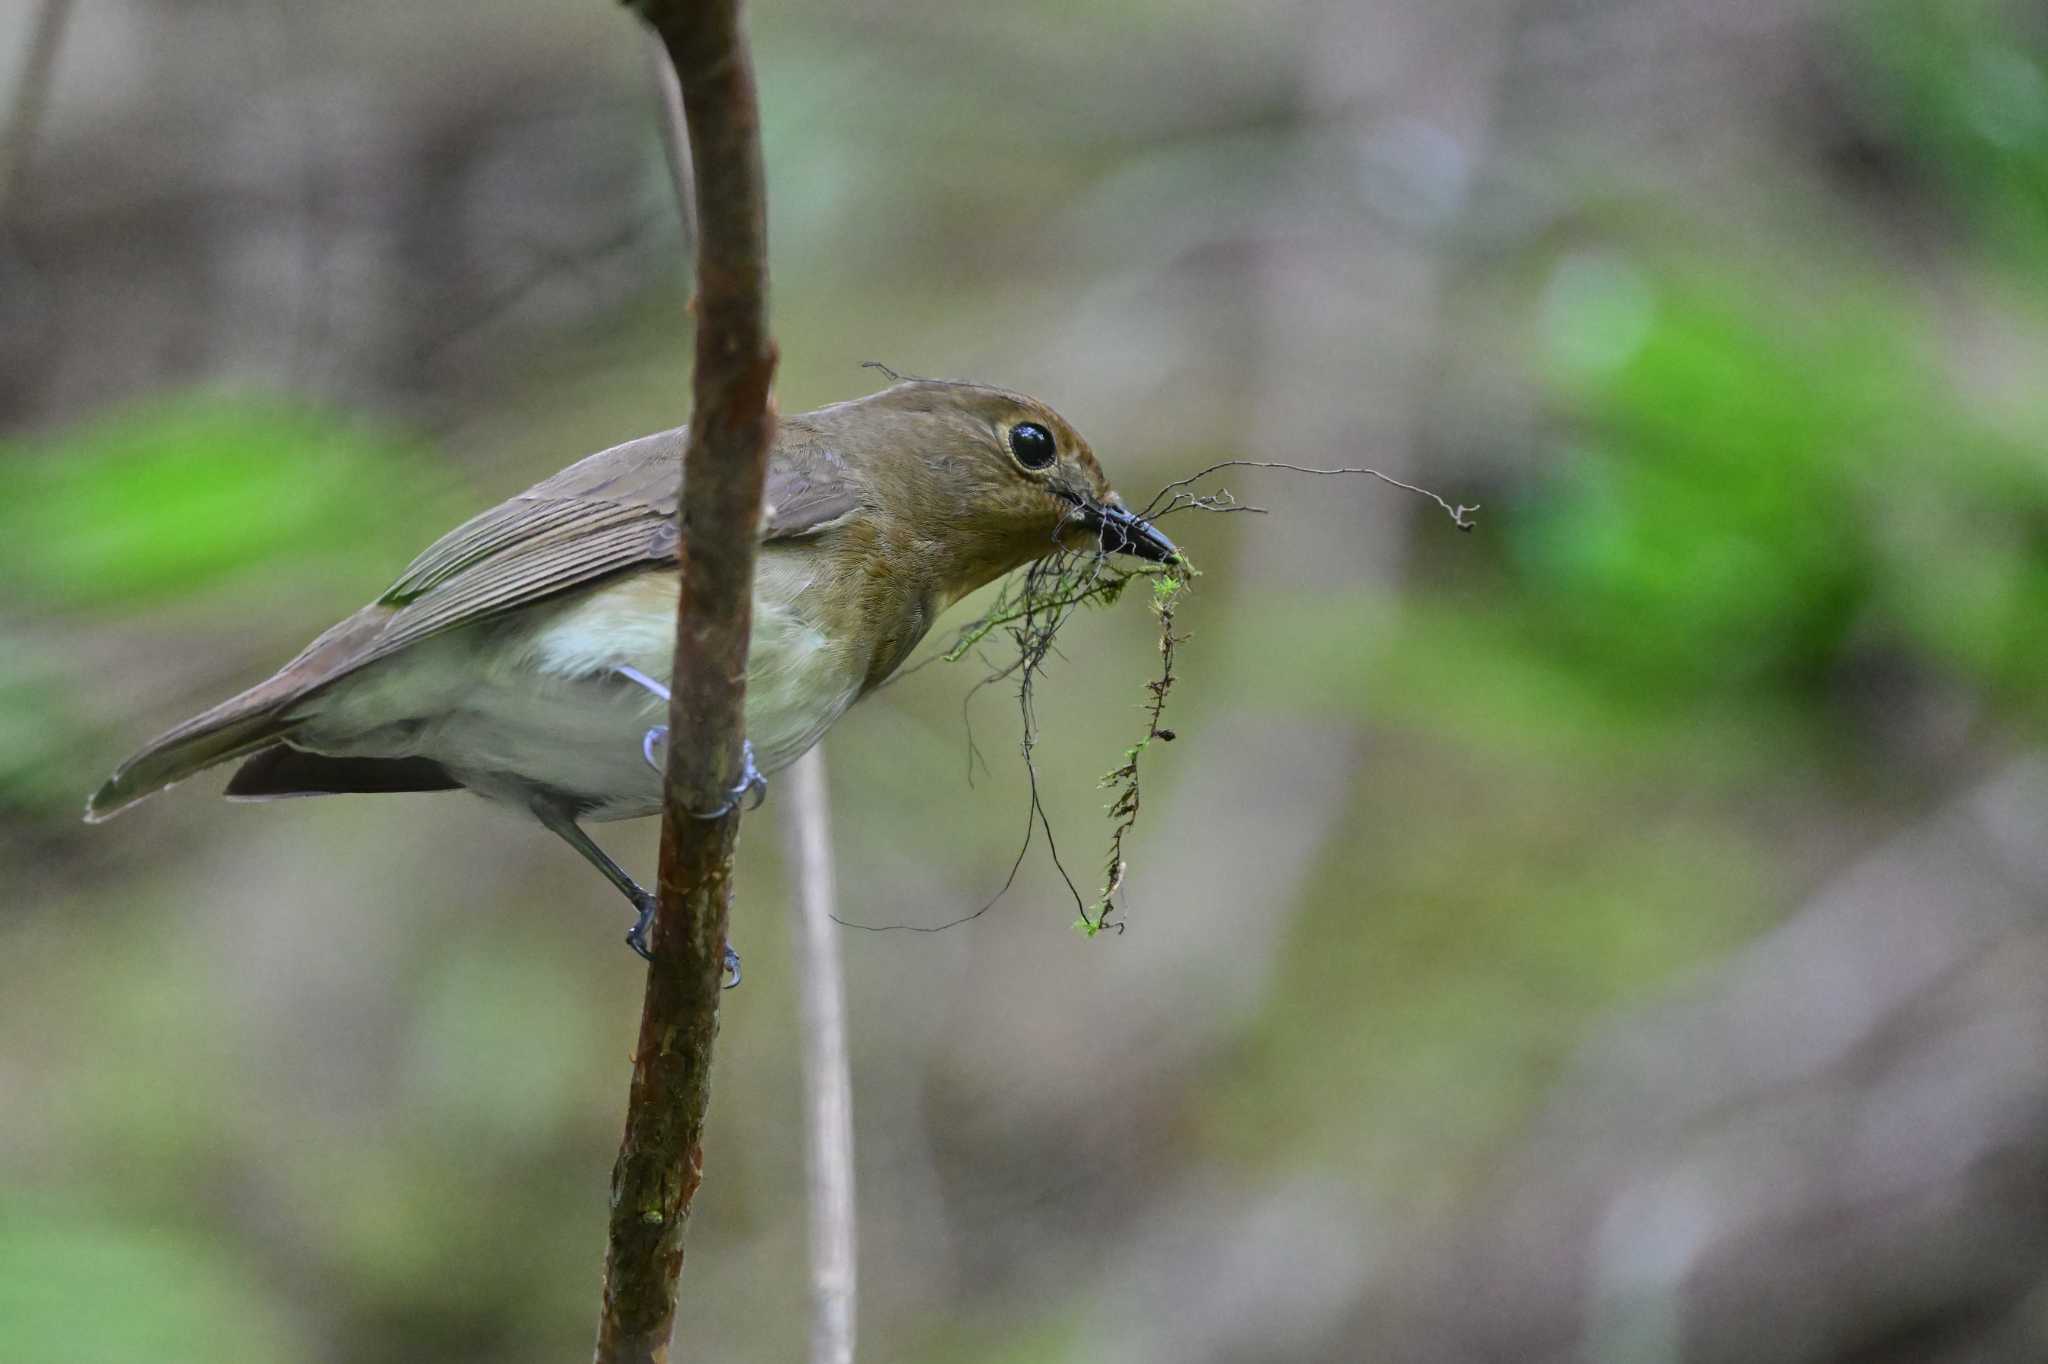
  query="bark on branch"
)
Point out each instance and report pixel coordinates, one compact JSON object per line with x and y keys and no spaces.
{"x":731,"y":427}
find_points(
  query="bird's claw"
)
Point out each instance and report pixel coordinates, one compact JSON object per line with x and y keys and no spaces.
{"x":751,"y":781}
{"x":637,"y":940}
{"x":659,"y":732}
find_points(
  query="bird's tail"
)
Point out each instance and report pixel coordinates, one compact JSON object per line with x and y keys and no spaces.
{"x":241,"y":724}
{"x":236,"y":726}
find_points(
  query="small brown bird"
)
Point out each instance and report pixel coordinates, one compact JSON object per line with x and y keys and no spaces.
{"x":526,"y":654}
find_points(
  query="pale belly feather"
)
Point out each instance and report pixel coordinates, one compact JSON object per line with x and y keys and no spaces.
{"x":535,"y":701}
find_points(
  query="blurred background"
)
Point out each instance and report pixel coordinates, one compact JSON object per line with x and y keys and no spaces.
{"x":1620,"y":934}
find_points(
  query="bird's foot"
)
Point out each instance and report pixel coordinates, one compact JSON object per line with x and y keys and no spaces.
{"x":751,"y":781}
{"x":637,"y":940}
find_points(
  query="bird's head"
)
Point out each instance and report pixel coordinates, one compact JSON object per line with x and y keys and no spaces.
{"x":979,"y":481}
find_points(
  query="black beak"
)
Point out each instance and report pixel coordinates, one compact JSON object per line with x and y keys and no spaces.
{"x":1124,"y":532}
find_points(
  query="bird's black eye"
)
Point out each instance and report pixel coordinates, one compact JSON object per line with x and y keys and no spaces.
{"x":1032,"y":444}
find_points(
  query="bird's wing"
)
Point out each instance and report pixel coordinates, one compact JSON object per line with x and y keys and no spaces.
{"x":612,"y":511}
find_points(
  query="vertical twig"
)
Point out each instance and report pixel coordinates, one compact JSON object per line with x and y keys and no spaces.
{"x":828,"y":1084}
{"x":731,"y":426}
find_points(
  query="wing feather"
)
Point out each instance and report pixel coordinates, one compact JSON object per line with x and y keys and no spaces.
{"x":519,"y":577}
{"x":602,"y":515}
{"x":478,"y":539}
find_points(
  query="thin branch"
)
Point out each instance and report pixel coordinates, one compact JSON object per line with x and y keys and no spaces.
{"x":1458,"y":514}
{"x":828,"y":1083}
{"x":731,"y":427}
{"x":1123,"y":779}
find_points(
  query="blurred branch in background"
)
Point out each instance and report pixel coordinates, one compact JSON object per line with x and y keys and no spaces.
{"x":675,"y":139}
{"x":31,"y":97}
{"x":724,"y":470}
{"x":828,"y":1080}
{"x":1832,"y":1148}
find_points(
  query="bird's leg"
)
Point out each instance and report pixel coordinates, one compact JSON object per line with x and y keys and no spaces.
{"x":751,"y":780}
{"x":564,"y":825}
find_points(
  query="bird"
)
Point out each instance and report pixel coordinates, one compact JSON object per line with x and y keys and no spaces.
{"x":526,"y":655}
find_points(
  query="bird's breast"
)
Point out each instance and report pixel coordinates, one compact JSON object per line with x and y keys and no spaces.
{"x":800,"y":677}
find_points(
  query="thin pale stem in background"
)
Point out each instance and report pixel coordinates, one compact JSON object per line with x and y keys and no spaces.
{"x":675,"y":137}
{"x":828,"y":1083}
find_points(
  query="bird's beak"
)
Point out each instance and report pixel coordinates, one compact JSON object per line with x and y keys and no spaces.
{"x":1124,"y":532}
